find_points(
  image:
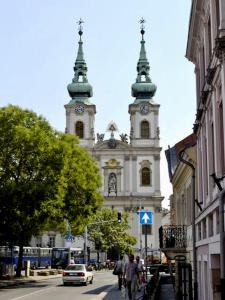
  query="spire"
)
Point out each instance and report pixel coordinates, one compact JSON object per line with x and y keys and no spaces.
{"x":80,"y":89}
{"x":143,"y":88}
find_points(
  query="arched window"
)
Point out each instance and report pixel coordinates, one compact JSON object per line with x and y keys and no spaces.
{"x":79,"y":129}
{"x":145,"y":130}
{"x":145,"y":176}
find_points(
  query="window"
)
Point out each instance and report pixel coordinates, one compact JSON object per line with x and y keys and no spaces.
{"x":217,"y":12}
{"x":145,"y":130}
{"x":147,"y":227}
{"x":210,"y":224}
{"x":221,"y":140}
{"x":204,"y":228}
{"x":209,"y":38}
{"x":52,"y":241}
{"x":217,"y":221}
{"x":199,"y":231}
{"x":79,"y":129}
{"x":145,"y":176}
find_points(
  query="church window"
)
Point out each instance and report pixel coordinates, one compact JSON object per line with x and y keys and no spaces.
{"x":145,"y":176}
{"x":79,"y":129}
{"x":145,"y":130}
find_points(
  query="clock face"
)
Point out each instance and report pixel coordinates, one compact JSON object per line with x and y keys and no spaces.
{"x":79,"y":109}
{"x":144,"y":109}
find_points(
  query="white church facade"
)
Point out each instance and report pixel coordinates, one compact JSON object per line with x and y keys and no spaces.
{"x":129,"y":166}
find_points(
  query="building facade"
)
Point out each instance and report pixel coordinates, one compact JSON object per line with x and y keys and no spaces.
{"x":129,"y":166}
{"x":206,"y":50}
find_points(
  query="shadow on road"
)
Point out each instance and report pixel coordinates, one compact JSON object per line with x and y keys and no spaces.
{"x":98,"y":290}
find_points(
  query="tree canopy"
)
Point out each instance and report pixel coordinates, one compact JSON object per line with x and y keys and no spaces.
{"x":105,"y":231}
{"x":45,"y":177}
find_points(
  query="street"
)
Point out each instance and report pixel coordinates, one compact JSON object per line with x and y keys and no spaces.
{"x":54,"y":289}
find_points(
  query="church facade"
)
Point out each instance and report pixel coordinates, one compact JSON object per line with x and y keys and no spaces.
{"x":129,"y":166}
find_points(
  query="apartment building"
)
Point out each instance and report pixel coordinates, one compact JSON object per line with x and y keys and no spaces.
{"x":206,"y":50}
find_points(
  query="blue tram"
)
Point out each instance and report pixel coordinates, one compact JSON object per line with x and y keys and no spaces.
{"x":38,"y":257}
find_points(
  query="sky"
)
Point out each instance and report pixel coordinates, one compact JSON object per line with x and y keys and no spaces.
{"x":39,"y":43}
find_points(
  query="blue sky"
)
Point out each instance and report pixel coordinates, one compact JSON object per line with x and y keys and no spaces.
{"x":39,"y":47}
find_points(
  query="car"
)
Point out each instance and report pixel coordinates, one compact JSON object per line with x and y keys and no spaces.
{"x":77,"y":273}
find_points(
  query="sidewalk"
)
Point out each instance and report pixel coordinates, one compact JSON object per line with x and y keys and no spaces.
{"x":22,"y":280}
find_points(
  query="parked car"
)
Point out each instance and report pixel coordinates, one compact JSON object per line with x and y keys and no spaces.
{"x":77,"y":273}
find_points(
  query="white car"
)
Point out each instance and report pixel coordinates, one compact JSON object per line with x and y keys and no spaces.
{"x":77,"y":273}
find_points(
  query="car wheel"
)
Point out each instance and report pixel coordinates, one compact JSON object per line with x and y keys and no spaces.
{"x":86,"y":282}
{"x":91,"y":281}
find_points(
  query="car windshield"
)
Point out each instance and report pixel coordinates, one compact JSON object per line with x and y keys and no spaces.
{"x":75,"y":268}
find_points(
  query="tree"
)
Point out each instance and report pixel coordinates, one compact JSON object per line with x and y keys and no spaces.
{"x":105,"y":231}
{"x":44,"y":178}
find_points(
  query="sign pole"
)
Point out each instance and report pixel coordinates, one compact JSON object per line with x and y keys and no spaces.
{"x":146,"y":243}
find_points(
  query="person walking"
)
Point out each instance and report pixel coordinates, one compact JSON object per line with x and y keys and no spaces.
{"x":140,"y":271}
{"x":130,"y":275}
{"x":119,"y":268}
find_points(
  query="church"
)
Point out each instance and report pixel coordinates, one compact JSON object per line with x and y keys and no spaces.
{"x":129,"y":166}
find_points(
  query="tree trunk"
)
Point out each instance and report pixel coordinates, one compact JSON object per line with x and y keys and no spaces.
{"x":20,"y":260}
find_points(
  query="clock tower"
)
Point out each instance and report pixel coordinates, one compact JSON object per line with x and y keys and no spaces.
{"x":144,"y":128}
{"x":80,"y":112}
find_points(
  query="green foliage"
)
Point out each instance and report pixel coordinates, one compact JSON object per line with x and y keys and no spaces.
{"x":45,"y":178}
{"x":107,"y":233}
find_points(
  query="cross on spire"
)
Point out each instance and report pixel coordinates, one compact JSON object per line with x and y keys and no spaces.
{"x":142,"y":22}
{"x":80,"y":22}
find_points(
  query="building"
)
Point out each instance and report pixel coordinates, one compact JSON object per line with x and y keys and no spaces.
{"x":206,"y":50}
{"x":177,"y":239}
{"x":130,"y":166}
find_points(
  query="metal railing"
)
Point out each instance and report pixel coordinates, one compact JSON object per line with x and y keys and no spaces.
{"x":173,"y":236}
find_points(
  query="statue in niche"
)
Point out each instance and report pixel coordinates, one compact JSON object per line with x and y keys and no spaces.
{"x":124,"y":138}
{"x":100,"y":137}
{"x":112,"y":183}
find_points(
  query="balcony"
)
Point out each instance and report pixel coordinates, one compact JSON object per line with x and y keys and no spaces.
{"x":173,"y":240}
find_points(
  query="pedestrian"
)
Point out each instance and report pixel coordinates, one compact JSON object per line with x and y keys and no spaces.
{"x":119,"y":268}
{"x":130,"y":275}
{"x":140,"y":272}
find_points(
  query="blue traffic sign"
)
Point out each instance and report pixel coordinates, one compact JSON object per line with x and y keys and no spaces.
{"x":145,"y":217}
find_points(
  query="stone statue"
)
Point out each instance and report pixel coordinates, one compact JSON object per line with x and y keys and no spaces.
{"x":100,"y":137}
{"x":124,"y":138}
{"x":112,"y":183}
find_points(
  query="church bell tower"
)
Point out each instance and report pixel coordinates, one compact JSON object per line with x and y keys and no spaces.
{"x":80,"y":112}
{"x":144,"y":128}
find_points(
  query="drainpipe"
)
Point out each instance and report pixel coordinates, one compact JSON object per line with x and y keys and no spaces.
{"x":222,"y":243}
{"x":180,"y":156}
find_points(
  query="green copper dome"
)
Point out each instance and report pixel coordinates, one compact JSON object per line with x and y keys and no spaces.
{"x":80,"y":88}
{"x":143,"y":88}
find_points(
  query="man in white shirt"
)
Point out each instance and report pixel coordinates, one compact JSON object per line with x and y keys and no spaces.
{"x":130,"y":275}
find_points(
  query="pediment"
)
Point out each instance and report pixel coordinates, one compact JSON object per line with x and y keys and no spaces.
{"x":103,"y":145}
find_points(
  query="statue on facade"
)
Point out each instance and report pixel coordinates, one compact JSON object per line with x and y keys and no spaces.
{"x":124,"y":138}
{"x":112,"y":183}
{"x":100,"y":137}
